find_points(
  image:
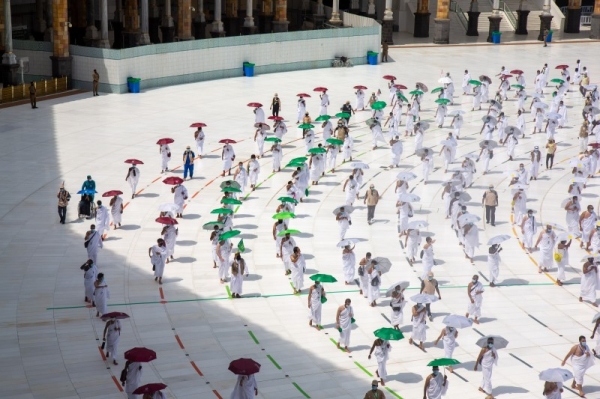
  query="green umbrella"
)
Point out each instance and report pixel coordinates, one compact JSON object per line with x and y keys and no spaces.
{"x":229,"y":234}
{"x":437,"y":89}
{"x":299,"y":159}
{"x":474,"y":82}
{"x":400,"y":96}
{"x":317,"y":150}
{"x":273,"y":139}
{"x":518,"y":86}
{"x":556,"y":80}
{"x":323,"y":278}
{"x":221,"y":211}
{"x":231,"y":201}
{"x":322,"y":118}
{"x":444,"y":101}
{"x":211,"y":225}
{"x":288,"y":199}
{"x":389,"y":334}
{"x":306,"y":126}
{"x":416,"y":93}
{"x":294,"y":165}
{"x":443,"y":362}
{"x":231,"y":190}
{"x":377,"y":105}
{"x":344,"y":115}
{"x":335,"y":141}
{"x":323,"y":299}
{"x":288,"y":231}
{"x":283,"y":215}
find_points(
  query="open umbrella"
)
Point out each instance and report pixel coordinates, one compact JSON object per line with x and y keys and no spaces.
{"x":359,"y":165}
{"x":424,"y":298}
{"x":173,"y":180}
{"x":489,"y":119}
{"x":168,"y":207}
{"x":227,"y":141}
{"x":498,"y":239}
{"x":423,"y":151}
{"x":211,"y":225}
{"x":371,"y":122}
{"x":273,"y":139}
{"x":317,"y":150}
{"x":323,"y":278}
{"x":305,"y":126}
{"x":322,"y":118}
{"x":288,"y":199}
{"x":557,"y":80}
{"x":417,"y":224}
{"x":166,"y":220}
{"x":275,"y":118}
{"x":295,"y":164}
{"x":321,"y":89}
{"x":347,"y":209}
{"x":302,"y":95}
{"x":149,"y":388}
{"x":347,"y":241}
{"x":360,"y":87}
{"x":468,"y":218}
{"x":567,"y":236}
{"x":515,"y":131}
{"x":198,"y":124}
{"x":222,"y":211}
{"x":244,"y":366}
{"x":553,"y":115}
{"x":230,"y":183}
{"x":422,"y":125}
{"x":457,"y":321}
{"x":300,"y":159}
{"x":594,"y":145}
{"x":422,"y":86}
{"x":231,"y":189}
{"x":403,"y":285}
{"x":437,"y":89}
{"x":409,"y":197}
{"x":517,"y":86}
{"x":499,"y":342}
{"x":441,"y":362}
{"x":444,"y":80}
{"x":114,"y":315}
{"x":556,"y":375}
{"x":506,"y":76}
{"x":231,"y":201}
{"x":590,"y":109}
{"x":443,"y":101}
{"x":134,"y":161}
{"x":283,"y":215}
{"x":229,"y":234}
{"x":561,"y":66}
{"x":388,"y":334}
{"x":140,"y":354}
{"x":254,"y":105}
{"x":335,"y":141}
{"x":288,"y":231}
{"x":448,"y":143}
{"x":344,"y":115}
{"x":406,"y":176}
{"x":262,"y":124}
{"x":400,"y":87}
{"x":416,"y":93}
{"x":485,"y":78}
{"x":590,"y":87}
{"x":517,"y":72}
{"x":489,"y":144}
{"x":539,"y":105}
{"x":389,"y":77}
{"x":556,"y":226}
{"x":164,"y":141}
{"x":474,"y":82}
{"x":112,"y":193}
{"x":383,"y":264}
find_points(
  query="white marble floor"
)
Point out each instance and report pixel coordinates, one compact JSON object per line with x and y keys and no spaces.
{"x":50,"y":340}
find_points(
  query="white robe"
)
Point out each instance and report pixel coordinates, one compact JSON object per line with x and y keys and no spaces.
{"x":315,"y":305}
{"x":436,"y":388}
{"x":520,"y":208}
{"x":546,"y":247}
{"x":397,"y":149}
{"x":427,"y":166}
{"x":348,"y":147}
{"x":377,"y":135}
{"x":301,"y":109}
{"x":244,"y":387}
{"x":360,"y":99}
{"x":253,"y":171}
{"x":403,"y":212}
{"x":346,"y":326}
{"x":493,"y":261}
{"x":351,"y":189}
{"x":170,"y":237}
{"x":101,"y":296}
{"x":382,"y":355}
{"x":280,"y":129}
{"x":332,"y":153}
{"x":343,"y":223}
{"x":180,"y":195}
{"x":133,"y":179}
{"x":260,"y":142}
{"x":237,"y":281}
{"x":466,"y":87}
{"x":471,"y":241}
{"x":572,"y":218}
{"x":327,"y":132}
{"x":374,"y":292}
{"x":88,"y":281}
{"x":560,"y":271}
{"x":298,"y":269}
{"x":324,"y":104}
{"x":165,"y":154}
{"x":427,"y":261}
{"x":309,"y":140}
{"x":413,"y":243}
{"x":200,"y":143}
{"x":112,"y":339}
{"x":474,"y":309}
{"x":449,"y":342}
{"x":397,"y":316}
{"x":286,"y":252}
{"x":487,"y":365}
{"x":225,"y":264}
{"x":589,"y":286}
{"x":418,"y":327}
{"x":349,"y":266}
{"x":529,"y":230}
{"x":227,"y":157}
{"x":457,"y":124}
{"x":581,"y":364}
{"x":259,"y":115}
{"x":242,"y":178}
{"x":364,"y":280}
{"x":102,"y":220}
{"x":587,"y":225}
{"x":158,"y":258}
{"x":95,"y":242}
{"x":277,"y":157}
{"x":134,"y":376}
{"x":115,"y":210}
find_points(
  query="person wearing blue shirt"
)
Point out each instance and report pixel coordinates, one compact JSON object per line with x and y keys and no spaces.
{"x":89,"y":184}
{"x":188,"y":163}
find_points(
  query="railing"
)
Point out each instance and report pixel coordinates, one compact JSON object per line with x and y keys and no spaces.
{"x":564,"y":11}
{"x":509,"y":14}
{"x":587,"y":10}
{"x":43,"y":87}
{"x":586,"y":20}
{"x":454,"y":7}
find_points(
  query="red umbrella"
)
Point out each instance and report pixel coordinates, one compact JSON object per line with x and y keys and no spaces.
{"x":165,"y":141}
{"x":173,"y":180}
{"x":517,"y":71}
{"x":323,"y":89}
{"x":227,"y":141}
{"x":389,"y":77}
{"x":359,"y":87}
{"x":275,"y":118}
{"x":594,"y":145}
{"x":244,"y":367}
{"x":166,"y":220}
{"x":149,"y":388}
{"x":260,"y":124}
{"x":112,"y":193}
{"x":255,"y":105}
{"x":114,"y":315}
{"x":561,"y":67}
{"x":302,"y":95}
{"x":506,"y":76}
{"x":140,"y":355}
{"x":401,"y":87}
{"x":134,"y":161}
{"x":198,"y":124}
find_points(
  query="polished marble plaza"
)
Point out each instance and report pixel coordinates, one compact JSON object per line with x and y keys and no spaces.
{"x":50,"y":339}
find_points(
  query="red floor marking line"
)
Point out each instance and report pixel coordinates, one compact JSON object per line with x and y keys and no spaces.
{"x":162,"y":295}
{"x":179,"y":341}
{"x":217,"y":393}
{"x":197,"y":369}
{"x":158,"y":178}
{"x":117,"y":383}
{"x":102,"y":353}
{"x":195,"y":194}
{"x":125,"y":206}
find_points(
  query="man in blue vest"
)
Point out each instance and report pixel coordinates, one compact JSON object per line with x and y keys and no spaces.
{"x":188,"y":163}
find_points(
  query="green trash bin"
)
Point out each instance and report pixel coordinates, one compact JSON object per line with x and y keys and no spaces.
{"x":248,"y":68}
{"x":372,"y":57}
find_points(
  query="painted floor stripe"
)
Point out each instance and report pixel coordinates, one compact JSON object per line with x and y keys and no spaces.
{"x":253,"y":337}
{"x":522,"y":361}
{"x":197,"y":369}
{"x":179,"y":341}
{"x":274,"y":362}
{"x":117,"y":383}
{"x":217,"y":394}
{"x":393,"y":393}
{"x":460,"y":376}
{"x":301,"y":390}
{"x":537,"y":320}
{"x":363,"y":369}
{"x":478,"y":332}
{"x":228,"y":291}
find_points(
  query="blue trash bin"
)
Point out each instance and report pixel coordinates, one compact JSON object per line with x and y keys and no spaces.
{"x":133,"y":85}
{"x":496,"y":37}
{"x":248,"y":69}
{"x":372,"y":57}
{"x":549,"y":36}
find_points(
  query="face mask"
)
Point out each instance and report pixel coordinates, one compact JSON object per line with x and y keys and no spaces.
{"x":347,"y":306}
{"x":530,"y":214}
{"x":429,"y":278}
{"x":92,"y":230}
{"x":316,"y":283}
{"x":373,"y":387}
{"x":548,"y":230}
{"x":583,"y":344}
{"x":490,"y":345}
{"x":474,"y":281}
{"x":435,"y":373}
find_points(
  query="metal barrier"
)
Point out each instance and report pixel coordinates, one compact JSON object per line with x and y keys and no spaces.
{"x":43,"y":88}
{"x":510,"y":15}
{"x":587,"y":10}
{"x":454,"y":7}
{"x":585,"y":20}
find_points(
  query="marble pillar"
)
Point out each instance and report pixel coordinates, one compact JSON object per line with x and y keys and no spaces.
{"x":280,"y":24}
{"x":62,"y":62}
{"x":168,"y":26}
{"x":335,"y":13}
{"x":184,"y":20}
{"x":217,"y":25}
{"x":441,"y":22}
{"x":103,"y":42}
{"x":200,"y":21}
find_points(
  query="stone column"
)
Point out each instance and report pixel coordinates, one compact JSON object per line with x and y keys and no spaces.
{"x":217,"y":25}
{"x":595,"y":29}
{"x":249,"y":28}
{"x":117,"y":24}
{"x":40,"y":21}
{"x":91,"y":32}
{"x":371,"y":9}
{"x":131,"y":24}
{"x":387,"y":27}
{"x":168,"y":26}
{"x":62,"y":62}
{"x":522,"y":15}
{"x":184,"y":20}
{"x":9,"y":60}
{"x":472,"y":29}
{"x":573,"y":17}
{"x":495,"y":20}
{"x":154,"y":22}
{"x":200,"y":21}
{"x":281,"y":23}
{"x":545,"y":20}
{"x":103,"y":42}
{"x":335,"y":13}
{"x":144,"y":35}
{"x":422,"y":19}
{"x":441,"y":34}
{"x":49,"y":33}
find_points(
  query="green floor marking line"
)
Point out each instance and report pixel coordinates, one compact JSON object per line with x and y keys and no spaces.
{"x":301,"y":390}
{"x":228,"y":291}
{"x":274,"y":362}
{"x":363,"y":369}
{"x":253,"y":337}
{"x":393,"y":393}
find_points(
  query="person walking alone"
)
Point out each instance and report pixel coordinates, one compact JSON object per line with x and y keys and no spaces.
{"x":490,"y":201}
{"x":63,"y":200}
{"x":95,"y":82}
{"x":371,"y":199}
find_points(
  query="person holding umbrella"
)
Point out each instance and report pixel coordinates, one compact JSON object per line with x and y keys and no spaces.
{"x":298,"y":264}
{"x":488,"y":358}
{"x":89,"y":276}
{"x":448,"y":336}
{"x":227,"y":156}
{"x":111,"y":337}
{"x":169,"y":234}
{"x":102,"y":219}
{"x":286,"y":249}
{"x":245,"y":387}
{"x":165,"y":153}
{"x":348,"y":264}
{"x":343,"y":322}
{"x":238,"y":272}
{"x":158,"y":256}
{"x":351,"y":190}
{"x":474,"y":292}
{"x":133,"y":178}
{"x":316,"y":294}
{"x":344,"y":221}
{"x":116,"y":209}
{"x":397,"y":304}
{"x":382,"y":350}
{"x":223,"y":252}
{"x":363,"y":276}
{"x":419,"y":333}
{"x":131,"y":377}
{"x":552,"y":390}
{"x":374,"y":283}
{"x":360,"y":98}
{"x":324,"y":102}
{"x":436,"y":385}
{"x":493,"y":261}
{"x":547,"y":238}
{"x":253,"y":169}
